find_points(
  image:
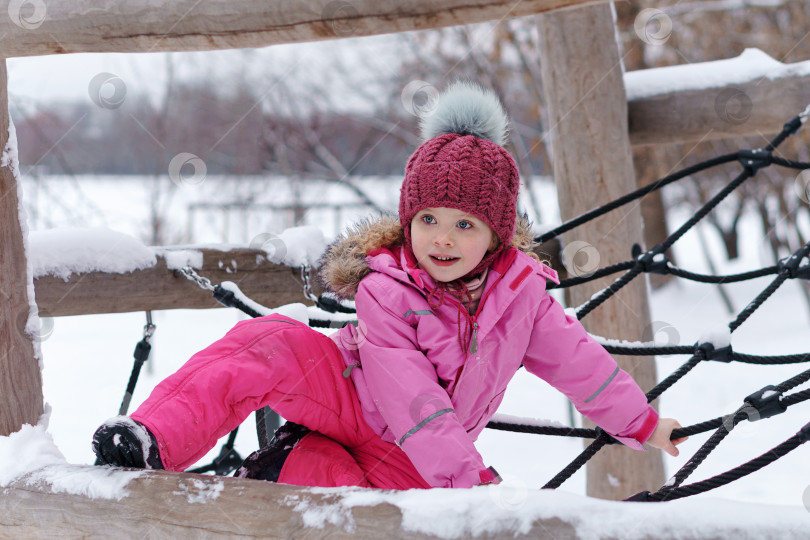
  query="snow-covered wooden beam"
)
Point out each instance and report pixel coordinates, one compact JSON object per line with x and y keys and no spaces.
{"x":20,"y":377}
{"x":163,"y":504}
{"x":159,"y":286}
{"x":39,"y":28}
{"x":82,"y":501}
{"x":752,"y":94}
{"x":163,"y":287}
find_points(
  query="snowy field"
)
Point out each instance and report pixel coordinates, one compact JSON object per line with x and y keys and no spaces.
{"x":87,"y":359}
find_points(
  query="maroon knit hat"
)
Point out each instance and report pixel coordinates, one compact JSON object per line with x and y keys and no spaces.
{"x":463,"y":165}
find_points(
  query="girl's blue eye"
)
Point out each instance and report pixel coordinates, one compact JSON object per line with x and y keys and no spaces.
{"x":429,"y":219}
{"x":465,"y":225}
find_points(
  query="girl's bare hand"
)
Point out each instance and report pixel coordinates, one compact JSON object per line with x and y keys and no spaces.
{"x":661,"y":436}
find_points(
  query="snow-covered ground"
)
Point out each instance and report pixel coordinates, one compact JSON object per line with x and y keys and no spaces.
{"x":87,"y":359}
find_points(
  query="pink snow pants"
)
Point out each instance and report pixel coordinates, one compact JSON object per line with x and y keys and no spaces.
{"x":275,"y":361}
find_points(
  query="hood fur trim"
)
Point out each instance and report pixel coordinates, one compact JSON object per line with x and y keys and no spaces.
{"x":343,"y":264}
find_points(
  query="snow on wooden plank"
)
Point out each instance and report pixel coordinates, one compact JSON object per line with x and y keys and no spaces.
{"x":751,"y":94}
{"x":41,"y":28}
{"x":161,"y":287}
{"x":70,"y":500}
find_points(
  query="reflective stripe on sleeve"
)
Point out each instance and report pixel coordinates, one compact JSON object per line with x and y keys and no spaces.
{"x":604,"y":385}
{"x":422,"y":312}
{"x":421,"y":424}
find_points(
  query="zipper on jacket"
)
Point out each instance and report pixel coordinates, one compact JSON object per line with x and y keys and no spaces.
{"x":348,"y":371}
{"x":474,"y":342}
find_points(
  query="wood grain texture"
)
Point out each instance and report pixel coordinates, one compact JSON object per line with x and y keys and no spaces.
{"x":20,"y":377}
{"x":584,"y":91}
{"x":41,"y":28}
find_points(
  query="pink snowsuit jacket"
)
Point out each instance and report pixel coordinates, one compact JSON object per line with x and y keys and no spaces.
{"x":421,"y":390}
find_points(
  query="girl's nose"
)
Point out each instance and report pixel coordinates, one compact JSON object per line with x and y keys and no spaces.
{"x":443,"y":239}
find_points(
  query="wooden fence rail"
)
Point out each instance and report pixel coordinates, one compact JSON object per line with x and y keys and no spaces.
{"x":160,"y":504}
{"x":40,"y":28}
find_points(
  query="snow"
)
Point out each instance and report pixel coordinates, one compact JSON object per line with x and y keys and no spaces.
{"x":536,"y":422}
{"x":27,"y":450}
{"x":513,"y":509}
{"x":180,"y":258}
{"x":73,"y":250}
{"x":297,"y":311}
{"x":30,"y":454}
{"x":751,"y":65}
{"x":297,"y":246}
{"x":199,"y":492}
{"x":98,"y":483}
{"x":719,"y":336}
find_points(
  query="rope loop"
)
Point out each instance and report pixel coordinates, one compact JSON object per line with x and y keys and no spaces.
{"x":652,"y":261}
{"x":804,"y":433}
{"x":790,"y":265}
{"x":754,"y":160}
{"x":767,"y":402}
{"x":804,"y":114}
{"x":707,"y":351}
{"x":607,"y":437}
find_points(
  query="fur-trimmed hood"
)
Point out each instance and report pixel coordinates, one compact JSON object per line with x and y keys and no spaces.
{"x":343,"y":264}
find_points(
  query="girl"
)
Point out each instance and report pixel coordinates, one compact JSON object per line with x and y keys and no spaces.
{"x":448,"y":307}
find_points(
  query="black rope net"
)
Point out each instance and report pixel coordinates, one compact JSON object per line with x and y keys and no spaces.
{"x":768,"y":401}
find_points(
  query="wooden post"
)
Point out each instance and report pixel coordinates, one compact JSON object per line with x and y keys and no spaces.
{"x":584,"y":92}
{"x":20,"y":377}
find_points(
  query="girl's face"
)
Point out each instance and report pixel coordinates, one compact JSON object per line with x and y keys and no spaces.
{"x":449,"y":243}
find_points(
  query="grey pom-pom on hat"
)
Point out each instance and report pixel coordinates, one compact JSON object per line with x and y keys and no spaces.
{"x":466,"y":108}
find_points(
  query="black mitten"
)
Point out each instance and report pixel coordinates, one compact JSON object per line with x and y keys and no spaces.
{"x":123,"y":442}
{"x":266,"y":463}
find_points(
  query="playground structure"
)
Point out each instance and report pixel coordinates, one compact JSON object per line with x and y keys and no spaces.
{"x":584,"y":158}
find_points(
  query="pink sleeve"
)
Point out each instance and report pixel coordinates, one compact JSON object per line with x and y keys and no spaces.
{"x":406,"y":391}
{"x":563,"y":354}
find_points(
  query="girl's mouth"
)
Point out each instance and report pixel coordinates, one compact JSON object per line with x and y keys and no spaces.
{"x":443,"y":261}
